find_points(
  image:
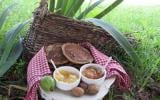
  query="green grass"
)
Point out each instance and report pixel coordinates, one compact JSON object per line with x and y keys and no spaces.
{"x":139,"y":22}
{"x":22,"y":12}
{"x":143,"y":24}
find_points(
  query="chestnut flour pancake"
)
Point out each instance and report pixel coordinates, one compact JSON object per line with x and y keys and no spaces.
{"x":54,"y":52}
{"x":76,"y":53}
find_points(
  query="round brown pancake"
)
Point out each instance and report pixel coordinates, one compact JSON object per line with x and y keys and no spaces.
{"x":76,"y":53}
{"x":54,"y":52}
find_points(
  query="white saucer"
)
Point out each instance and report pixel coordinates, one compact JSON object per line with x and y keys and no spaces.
{"x":66,"y":95}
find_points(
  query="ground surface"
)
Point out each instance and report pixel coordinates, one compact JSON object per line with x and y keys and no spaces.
{"x":139,"y":21}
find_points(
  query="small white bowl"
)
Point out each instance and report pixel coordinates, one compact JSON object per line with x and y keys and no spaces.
{"x":98,"y":81}
{"x":67,"y":86}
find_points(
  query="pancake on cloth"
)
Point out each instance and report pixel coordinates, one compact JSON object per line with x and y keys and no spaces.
{"x":77,"y":54}
{"x":54,"y":52}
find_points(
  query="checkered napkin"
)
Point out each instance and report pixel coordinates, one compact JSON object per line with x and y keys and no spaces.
{"x":113,"y":67}
{"x":37,"y":68}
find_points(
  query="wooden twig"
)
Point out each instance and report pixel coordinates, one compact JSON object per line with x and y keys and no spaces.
{"x":17,"y":87}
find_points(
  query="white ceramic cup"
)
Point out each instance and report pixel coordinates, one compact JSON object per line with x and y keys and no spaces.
{"x":67,"y":86}
{"x":98,"y":81}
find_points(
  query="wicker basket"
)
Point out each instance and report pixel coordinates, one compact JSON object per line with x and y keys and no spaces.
{"x":48,"y":29}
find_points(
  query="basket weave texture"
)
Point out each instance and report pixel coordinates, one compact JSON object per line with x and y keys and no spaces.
{"x":49,"y":28}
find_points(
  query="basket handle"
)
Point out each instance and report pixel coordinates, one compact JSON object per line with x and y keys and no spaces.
{"x":43,"y":8}
{"x":43,"y":3}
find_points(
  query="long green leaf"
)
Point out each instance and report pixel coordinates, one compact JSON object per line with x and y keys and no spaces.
{"x":118,"y":37}
{"x":1,"y":49}
{"x":108,"y":9}
{"x":64,"y":5}
{"x":6,"y":46}
{"x":6,"y":39}
{"x":10,"y":40}
{"x":51,"y":5}
{"x":12,"y":58}
{"x":74,"y":8}
{"x":5,"y":13}
{"x":88,"y":9}
{"x":14,"y":31}
{"x":69,"y":5}
{"x":59,"y":6}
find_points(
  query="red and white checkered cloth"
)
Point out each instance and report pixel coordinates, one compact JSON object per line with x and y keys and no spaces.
{"x":38,"y":67}
{"x":113,"y":67}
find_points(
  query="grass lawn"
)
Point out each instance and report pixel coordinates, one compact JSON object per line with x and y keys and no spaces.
{"x":21,"y":12}
{"x":142,"y":23}
{"x":139,"y":22}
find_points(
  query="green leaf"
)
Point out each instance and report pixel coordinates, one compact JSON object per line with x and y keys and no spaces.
{"x":69,"y":5}
{"x":14,"y":31}
{"x":5,"y":13}
{"x":9,"y":41}
{"x":12,"y":58}
{"x":58,"y":6}
{"x":61,"y":6}
{"x":51,"y":5}
{"x":88,"y":9}
{"x":1,"y":49}
{"x":108,"y":9}
{"x":74,"y":8}
{"x":9,"y":35}
{"x":118,"y":37}
{"x":64,"y":6}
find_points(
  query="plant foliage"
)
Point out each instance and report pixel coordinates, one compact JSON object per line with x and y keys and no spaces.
{"x":70,"y":8}
{"x":117,"y":35}
{"x":10,"y":47}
